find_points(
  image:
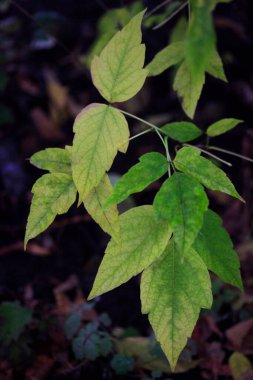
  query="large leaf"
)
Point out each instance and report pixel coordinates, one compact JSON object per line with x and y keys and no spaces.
{"x":100,"y":131}
{"x":118,"y":72}
{"x":55,"y":160}
{"x":188,"y":88}
{"x":188,"y":160}
{"x":182,"y":131}
{"x":151,"y":167}
{"x":215,"y":67}
{"x":222,"y":126}
{"x":143,"y":240}
{"x":200,"y":39}
{"x":172,"y":293}
{"x":53,"y":194}
{"x":107,"y":219}
{"x":167,"y":57}
{"x":182,"y":201}
{"x":215,"y":247}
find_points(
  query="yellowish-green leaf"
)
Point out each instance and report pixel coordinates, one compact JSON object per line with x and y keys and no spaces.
{"x":107,"y":26}
{"x":167,"y":57}
{"x":222,"y":126}
{"x":240,"y":366}
{"x":55,"y":160}
{"x":143,"y":240}
{"x":188,"y":88}
{"x":182,"y":131}
{"x":182,"y":201}
{"x":118,"y":72}
{"x":172,"y":293}
{"x":151,"y":167}
{"x":215,"y":247}
{"x":189,"y":161}
{"x":107,"y":219}
{"x":215,"y":67}
{"x":53,"y":194}
{"x":100,"y":131}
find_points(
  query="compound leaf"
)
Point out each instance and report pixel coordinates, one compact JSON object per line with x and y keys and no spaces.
{"x":151,"y":167}
{"x":172,"y":293}
{"x":100,"y":131}
{"x":167,"y":57}
{"x":215,"y":67}
{"x":182,"y":131}
{"x":53,"y":194}
{"x":189,"y":161}
{"x":222,"y":126}
{"x":215,"y":247}
{"x":107,"y":219}
{"x":188,"y":88}
{"x":182,"y":201}
{"x":118,"y":72}
{"x":55,"y":160}
{"x":143,"y":240}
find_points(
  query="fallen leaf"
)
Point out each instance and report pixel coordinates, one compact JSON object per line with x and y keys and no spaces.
{"x":240,"y":366}
{"x":148,"y":355}
{"x":40,"y":368}
{"x":240,"y":337}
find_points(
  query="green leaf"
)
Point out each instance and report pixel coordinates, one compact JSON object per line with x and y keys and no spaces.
{"x":53,"y":194}
{"x":105,"y":344}
{"x":182,"y":201}
{"x":107,"y":219}
{"x":188,"y":88}
{"x":143,"y":240}
{"x":55,"y":160}
{"x":118,"y":72}
{"x":151,"y":167}
{"x":222,"y":126}
{"x":215,"y":67}
{"x":13,"y":320}
{"x":72,"y":323}
{"x":179,"y":31}
{"x":172,"y":293}
{"x":122,"y":364}
{"x":86,"y":347}
{"x":188,"y":160}
{"x":215,"y":247}
{"x":200,"y":39}
{"x":183,"y":131}
{"x":100,"y":131}
{"x":167,"y":57}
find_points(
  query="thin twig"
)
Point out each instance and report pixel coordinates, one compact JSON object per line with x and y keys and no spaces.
{"x":171,"y":16}
{"x":210,"y":154}
{"x":141,"y":120}
{"x":159,"y":6}
{"x":231,"y":153}
{"x":141,"y":133}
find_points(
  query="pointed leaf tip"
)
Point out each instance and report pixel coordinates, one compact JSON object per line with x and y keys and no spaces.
{"x":118,"y":72}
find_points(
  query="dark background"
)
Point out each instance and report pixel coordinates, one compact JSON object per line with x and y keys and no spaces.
{"x":45,"y":86}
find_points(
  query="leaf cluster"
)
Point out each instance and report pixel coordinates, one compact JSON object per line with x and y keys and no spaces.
{"x":177,"y":240}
